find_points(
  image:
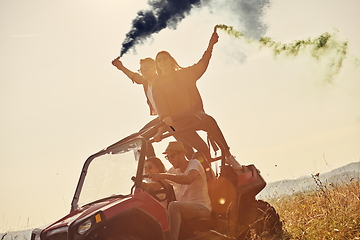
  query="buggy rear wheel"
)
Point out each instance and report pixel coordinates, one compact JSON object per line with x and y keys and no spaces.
{"x":258,"y":218}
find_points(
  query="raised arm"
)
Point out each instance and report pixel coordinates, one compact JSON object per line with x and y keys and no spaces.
{"x":213,"y":40}
{"x":198,"y":69}
{"x":181,"y":179}
{"x":135,"y":77}
{"x":207,"y":54}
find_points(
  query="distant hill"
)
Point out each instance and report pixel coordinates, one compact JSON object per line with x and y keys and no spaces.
{"x":345,"y":174}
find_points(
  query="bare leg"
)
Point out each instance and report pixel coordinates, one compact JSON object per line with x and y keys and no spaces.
{"x":193,"y":139}
{"x":189,"y":150}
{"x":210,"y":125}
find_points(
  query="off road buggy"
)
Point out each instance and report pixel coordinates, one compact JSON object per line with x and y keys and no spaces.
{"x":109,"y":203}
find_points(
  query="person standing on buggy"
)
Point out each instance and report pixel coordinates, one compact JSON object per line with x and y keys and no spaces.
{"x":175,"y":94}
{"x":145,"y":77}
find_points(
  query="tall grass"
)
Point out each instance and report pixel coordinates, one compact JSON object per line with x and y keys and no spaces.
{"x":328,"y":212}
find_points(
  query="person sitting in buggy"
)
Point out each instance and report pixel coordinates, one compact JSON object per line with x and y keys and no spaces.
{"x":154,"y":165}
{"x":189,"y":181}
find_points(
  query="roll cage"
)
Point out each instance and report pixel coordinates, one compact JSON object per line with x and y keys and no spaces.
{"x":144,"y":138}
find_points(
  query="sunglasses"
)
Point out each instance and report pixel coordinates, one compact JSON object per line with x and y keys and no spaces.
{"x":148,"y":167}
{"x":170,"y":156}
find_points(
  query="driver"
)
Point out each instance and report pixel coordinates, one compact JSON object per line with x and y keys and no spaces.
{"x":189,"y":182}
{"x":154,"y":165}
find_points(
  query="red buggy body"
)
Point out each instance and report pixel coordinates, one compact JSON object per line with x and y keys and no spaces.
{"x":109,"y":203}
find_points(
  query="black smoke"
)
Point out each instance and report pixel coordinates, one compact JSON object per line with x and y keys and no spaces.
{"x":168,"y":13}
{"x":162,"y":14}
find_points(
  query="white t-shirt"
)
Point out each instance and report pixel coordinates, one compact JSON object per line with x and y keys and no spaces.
{"x":150,"y":96}
{"x":195,"y":192}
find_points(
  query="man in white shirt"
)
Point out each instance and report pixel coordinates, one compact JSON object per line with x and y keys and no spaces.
{"x":189,"y":182}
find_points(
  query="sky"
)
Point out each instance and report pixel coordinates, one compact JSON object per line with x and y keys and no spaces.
{"x":61,"y":100}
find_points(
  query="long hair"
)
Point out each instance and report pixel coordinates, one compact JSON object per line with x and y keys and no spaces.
{"x":146,"y":60}
{"x":175,"y":65}
{"x":158,"y":163}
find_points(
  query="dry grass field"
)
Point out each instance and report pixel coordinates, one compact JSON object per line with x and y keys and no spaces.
{"x":328,"y":212}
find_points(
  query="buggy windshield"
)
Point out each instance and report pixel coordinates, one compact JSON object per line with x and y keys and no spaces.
{"x":108,"y":173}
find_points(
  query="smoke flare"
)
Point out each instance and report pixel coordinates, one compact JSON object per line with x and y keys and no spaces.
{"x":162,"y":14}
{"x":168,"y":13}
{"x":325,"y":44}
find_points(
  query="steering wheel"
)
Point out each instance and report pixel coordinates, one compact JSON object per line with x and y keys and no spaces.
{"x":163,"y":191}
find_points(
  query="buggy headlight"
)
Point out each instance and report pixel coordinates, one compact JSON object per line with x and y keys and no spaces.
{"x":85,"y":226}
